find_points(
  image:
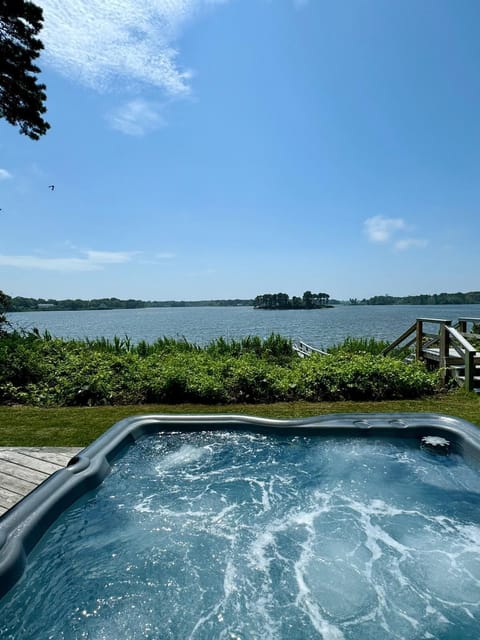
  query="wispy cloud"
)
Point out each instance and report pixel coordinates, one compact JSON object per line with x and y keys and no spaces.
{"x":136,"y":118}
{"x":102,"y":42}
{"x":5,"y":175}
{"x":381,"y":229}
{"x":88,"y":261}
{"x":99,"y":42}
{"x":124,"y":46}
{"x":410,"y":243}
{"x":158,"y":258}
{"x":110,"y":257}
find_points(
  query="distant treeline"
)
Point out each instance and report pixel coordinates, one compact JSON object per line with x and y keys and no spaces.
{"x":309,"y":300}
{"x":472,"y":297}
{"x":41,"y":304}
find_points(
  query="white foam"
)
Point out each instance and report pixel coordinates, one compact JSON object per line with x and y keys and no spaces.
{"x":229,"y":579}
{"x":145,"y":505}
{"x":183,"y":457}
{"x":258,"y":550}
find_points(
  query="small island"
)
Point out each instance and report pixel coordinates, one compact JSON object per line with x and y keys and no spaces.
{"x":309,"y":300}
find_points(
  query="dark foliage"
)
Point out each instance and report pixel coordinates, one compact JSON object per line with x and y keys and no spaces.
{"x":471,"y":297}
{"x":4,"y":306}
{"x":309,"y":300}
{"x":22,"y":97}
{"x":19,"y":303}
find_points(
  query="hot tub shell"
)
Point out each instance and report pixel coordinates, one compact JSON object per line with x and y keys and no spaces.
{"x":22,"y":526}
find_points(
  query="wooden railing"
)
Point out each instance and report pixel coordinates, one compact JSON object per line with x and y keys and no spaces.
{"x":438,"y":346}
{"x":464,"y":349}
{"x":421,"y":338}
{"x":304,"y":350}
{"x":463,"y":326}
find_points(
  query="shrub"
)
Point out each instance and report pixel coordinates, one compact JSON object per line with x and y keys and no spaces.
{"x":367,"y":345}
{"x":252,"y":379}
{"x":20,"y":358}
{"x":46,"y":371}
{"x":275,"y":348}
{"x":363,"y":377}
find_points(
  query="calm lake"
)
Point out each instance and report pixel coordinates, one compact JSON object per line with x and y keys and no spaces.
{"x":321,"y":328}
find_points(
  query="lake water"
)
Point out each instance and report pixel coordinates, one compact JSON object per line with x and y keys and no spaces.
{"x":321,"y":327}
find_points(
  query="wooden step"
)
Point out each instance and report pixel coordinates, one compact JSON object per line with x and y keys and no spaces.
{"x":460,"y":368}
{"x":460,"y":379}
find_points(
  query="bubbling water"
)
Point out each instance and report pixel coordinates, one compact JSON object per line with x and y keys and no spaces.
{"x":239,"y":535}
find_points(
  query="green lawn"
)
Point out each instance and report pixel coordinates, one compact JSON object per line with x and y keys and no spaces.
{"x":78,"y":426}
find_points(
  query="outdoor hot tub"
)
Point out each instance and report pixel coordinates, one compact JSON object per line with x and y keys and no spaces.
{"x":335,"y":527}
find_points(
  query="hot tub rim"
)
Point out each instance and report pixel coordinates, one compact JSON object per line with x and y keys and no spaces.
{"x":25,"y":523}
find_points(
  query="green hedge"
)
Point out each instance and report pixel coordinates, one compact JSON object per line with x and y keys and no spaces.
{"x":43,"y":371}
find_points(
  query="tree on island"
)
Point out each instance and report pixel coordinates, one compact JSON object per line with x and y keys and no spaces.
{"x":315,"y":300}
{"x":309,"y":300}
{"x":22,"y":98}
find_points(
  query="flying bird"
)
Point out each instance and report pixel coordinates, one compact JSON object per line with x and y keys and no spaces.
{"x":51,"y":187}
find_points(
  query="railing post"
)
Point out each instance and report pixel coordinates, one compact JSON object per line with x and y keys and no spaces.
{"x":462,"y":326}
{"x":444,"y":350}
{"x":442,"y":363}
{"x":419,"y":340}
{"x":469,"y":370}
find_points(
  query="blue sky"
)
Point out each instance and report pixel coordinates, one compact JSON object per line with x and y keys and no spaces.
{"x":228,"y":148}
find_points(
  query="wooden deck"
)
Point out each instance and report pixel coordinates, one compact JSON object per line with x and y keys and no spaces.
{"x":24,"y":468}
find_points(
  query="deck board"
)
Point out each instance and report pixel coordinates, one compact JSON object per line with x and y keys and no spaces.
{"x":25,"y":460}
{"x":8,"y":499}
{"x":22,"y":469}
{"x":24,"y":473}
